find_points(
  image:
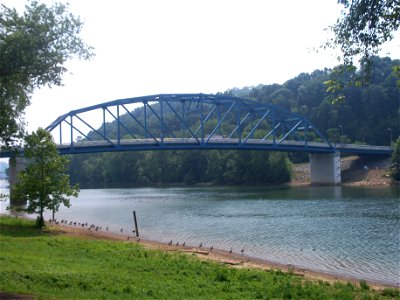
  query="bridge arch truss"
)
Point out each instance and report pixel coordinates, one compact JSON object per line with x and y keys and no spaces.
{"x":185,"y":121}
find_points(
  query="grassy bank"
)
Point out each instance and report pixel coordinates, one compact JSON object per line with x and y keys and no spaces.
{"x":46,"y":264}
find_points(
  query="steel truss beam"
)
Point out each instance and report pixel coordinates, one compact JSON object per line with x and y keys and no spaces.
{"x":186,"y":121}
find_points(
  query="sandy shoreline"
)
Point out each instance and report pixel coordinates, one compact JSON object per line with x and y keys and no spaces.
{"x":221,"y":256}
{"x":355,"y":171}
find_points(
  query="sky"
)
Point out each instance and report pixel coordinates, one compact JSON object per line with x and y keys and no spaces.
{"x":184,"y":46}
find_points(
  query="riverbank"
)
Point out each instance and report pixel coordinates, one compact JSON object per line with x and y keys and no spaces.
{"x":356,"y":171}
{"x":228,"y":258}
{"x":67,"y":262}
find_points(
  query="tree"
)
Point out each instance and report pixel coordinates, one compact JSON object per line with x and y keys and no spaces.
{"x":395,"y":162}
{"x":44,"y":183}
{"x":364,"y":26}
{"x":34,"y":47}
{"x":359,"y":32}
{"x":192,"y":166}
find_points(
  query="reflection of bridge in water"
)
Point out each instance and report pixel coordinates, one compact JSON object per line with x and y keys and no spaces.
{"x":199,"y":121}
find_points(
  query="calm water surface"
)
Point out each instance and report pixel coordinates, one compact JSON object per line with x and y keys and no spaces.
{"x":340,"y":230}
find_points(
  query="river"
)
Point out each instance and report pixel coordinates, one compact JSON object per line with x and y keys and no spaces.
{"x":339,"y":230}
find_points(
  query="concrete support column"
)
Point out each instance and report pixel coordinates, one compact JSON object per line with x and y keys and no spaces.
{"x":16,"y":165}
{"x":325,"y":168}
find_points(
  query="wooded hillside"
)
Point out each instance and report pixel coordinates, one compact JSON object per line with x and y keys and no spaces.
{"x":369,"y":114}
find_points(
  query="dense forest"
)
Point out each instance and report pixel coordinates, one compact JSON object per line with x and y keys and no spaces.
{"x":369,"y":114}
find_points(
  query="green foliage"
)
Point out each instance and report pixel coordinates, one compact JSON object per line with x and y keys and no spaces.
{"x":364,"y":285}
{"x":391,"y":292}
{"x":341,"y":77}
{"x":174,"y":167}
{"x":34,"y":47}
{"x":44,"y":182}
{"x":396,"y":71}
{"x":367,"y":113}
{"x":47,"y":266}
{"x":395,"y":162}
{"x":362,"y":28}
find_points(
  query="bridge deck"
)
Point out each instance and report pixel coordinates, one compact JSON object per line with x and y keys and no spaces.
{"x":217,"y":143}
{"x":214,"y":143}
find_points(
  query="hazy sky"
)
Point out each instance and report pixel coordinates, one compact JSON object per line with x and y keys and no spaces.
{"x":182,"y":46}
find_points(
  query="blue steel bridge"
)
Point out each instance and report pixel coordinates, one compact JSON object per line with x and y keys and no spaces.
{"x":191,"y":121}
{"x":198,"y":121}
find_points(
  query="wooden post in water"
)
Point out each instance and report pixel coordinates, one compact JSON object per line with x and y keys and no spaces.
{"x":135,"y":221}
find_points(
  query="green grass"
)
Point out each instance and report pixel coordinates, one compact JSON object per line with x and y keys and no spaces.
{"x":48,"y":265}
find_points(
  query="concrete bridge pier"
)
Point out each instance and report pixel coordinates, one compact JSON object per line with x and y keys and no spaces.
{"x":16,"y":165}
{"x":325,"y":168}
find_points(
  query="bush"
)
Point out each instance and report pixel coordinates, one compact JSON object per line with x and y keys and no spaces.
{"x":395,"y":162}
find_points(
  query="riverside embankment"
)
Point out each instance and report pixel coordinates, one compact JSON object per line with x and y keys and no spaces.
{"x":68,"y":262}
